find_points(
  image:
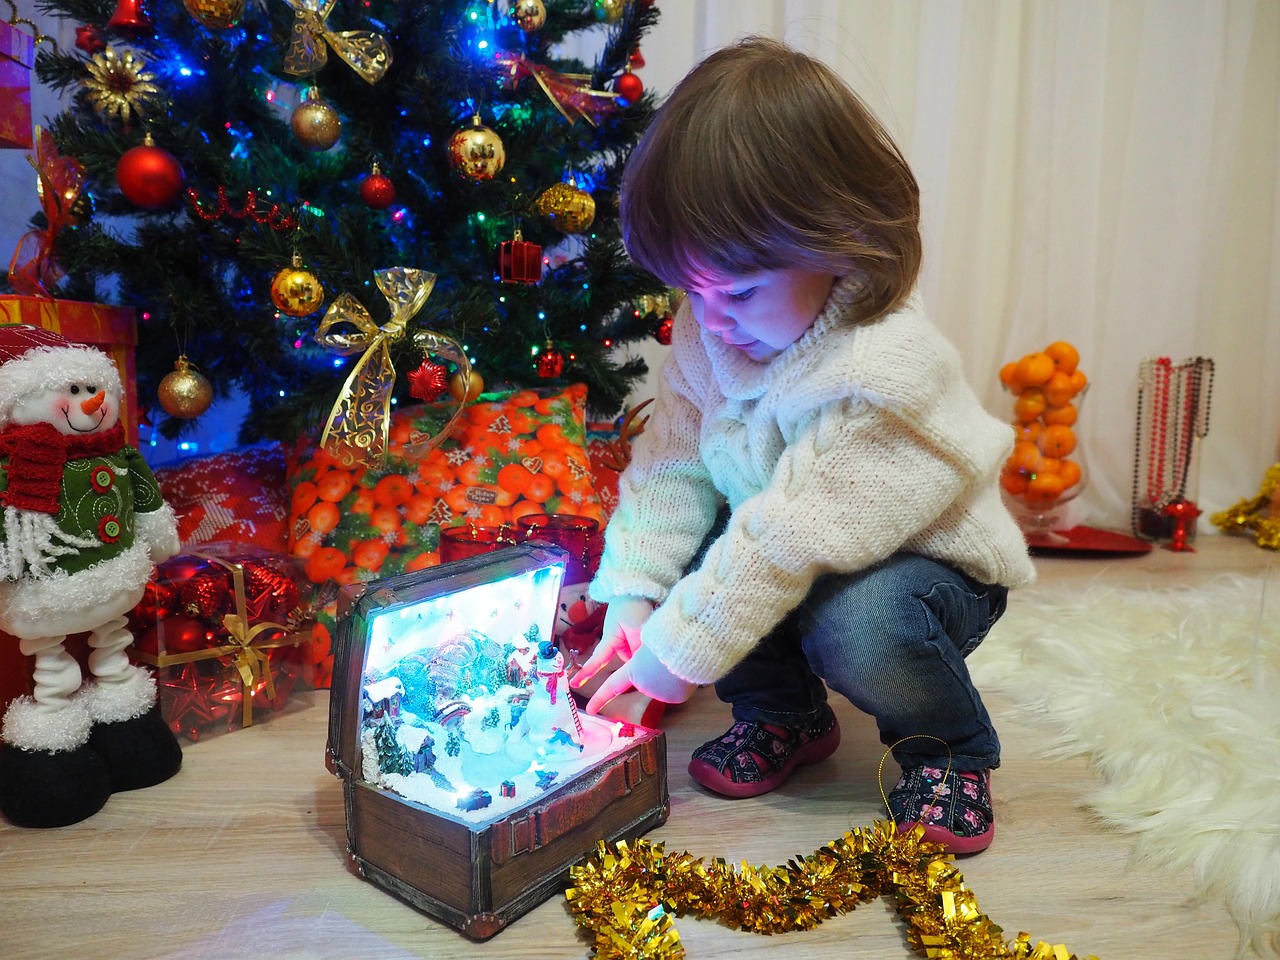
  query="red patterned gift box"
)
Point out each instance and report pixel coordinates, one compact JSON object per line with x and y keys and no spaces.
{"x":228,"y":630}
{"x":17,"y":56}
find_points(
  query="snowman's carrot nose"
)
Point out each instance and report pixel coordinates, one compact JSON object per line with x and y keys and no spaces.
{"x":93,"y":403}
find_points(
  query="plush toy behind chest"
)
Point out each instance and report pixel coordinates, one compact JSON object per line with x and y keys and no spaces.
{"x":83,"y":524}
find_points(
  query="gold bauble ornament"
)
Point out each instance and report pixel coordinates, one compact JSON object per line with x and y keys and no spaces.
{"x":465,"y":392}
{"x":296,"y":291}
{"x":315,"y":124}
{"x":610,"y":11}
{"x":215,"y":14}
{"x":529,"y":15}
{"x":476,"y":152}
{"x":185,"y":393}
{"x":569,"y":208}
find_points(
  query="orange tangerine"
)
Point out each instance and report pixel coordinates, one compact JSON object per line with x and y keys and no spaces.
{"x":1045,"y":486}
{"x":385,"y":520}
{"x":1070,"y":473}
{"x":1059,"y":390}
{"x":1030,"y":404}
{"x":541,"y":489}
{"x":1015,"y":481}
{"x":1025,"y":456}
{"x":1057,"y":440}
{"x":417,"y":509}
{"x":325,"y":564}
{"x":1048,"y":465}
{"x":392,"y":490}
{"x":551,"y":435}
{"x":1064,"y":355}
{"x":494,"y":516}
{"x":323,"y":516}
{"x":1009,"y":377}
{"x":364,"y":502}
{"x":370,"y":554}
{"x":524,"y":508}
{"x":305,"y":547}
{"x":1079,"y":380}
{"x":428,"y":558}
{"x":1035,"y":369}
{"x":304,"y":495}
{"x":1028,"y":430}
{"x":334,"y":485}
{"x":1064,"y":416}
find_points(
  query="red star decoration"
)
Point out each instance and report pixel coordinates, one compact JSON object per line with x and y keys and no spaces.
{"x":427,"y":383}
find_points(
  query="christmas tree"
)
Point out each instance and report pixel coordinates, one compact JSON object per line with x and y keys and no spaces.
{"x":247,"y":167}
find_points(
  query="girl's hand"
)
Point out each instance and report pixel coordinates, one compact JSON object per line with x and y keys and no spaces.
{"x":623,"y":619}
{"x":646,"y":673}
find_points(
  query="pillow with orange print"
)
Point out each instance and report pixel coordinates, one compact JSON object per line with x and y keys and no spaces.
{"x":509,"y":455}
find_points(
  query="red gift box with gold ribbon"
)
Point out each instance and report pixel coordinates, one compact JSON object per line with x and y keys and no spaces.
{"x":228,"y":632}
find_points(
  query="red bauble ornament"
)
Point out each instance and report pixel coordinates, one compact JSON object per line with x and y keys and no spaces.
{"x":662,"y":333}
{"x":131,"y":20}
{"x":206,"y":595}
{"x":519,"y":261}
{"x":428,"y":382}
{"x":175,"y":635}
{"x":629,"y":87}
{"x":89,"y":39}
{"x":636,"y":60}
{"x":377,"y":190}
{"x":550,"y":362}
{"x":150,"y":177}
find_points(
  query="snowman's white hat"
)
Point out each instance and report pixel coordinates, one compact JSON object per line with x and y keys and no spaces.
{"x":33,"y":359}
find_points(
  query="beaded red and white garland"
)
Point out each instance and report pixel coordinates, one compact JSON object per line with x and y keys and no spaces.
{"x":1172,"y":417}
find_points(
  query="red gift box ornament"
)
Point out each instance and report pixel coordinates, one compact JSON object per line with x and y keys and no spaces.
{"x":519,"y":261}
{"x":60,"y":180}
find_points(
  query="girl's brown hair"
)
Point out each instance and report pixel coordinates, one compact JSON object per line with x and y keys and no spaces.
{"x":762,"y":158}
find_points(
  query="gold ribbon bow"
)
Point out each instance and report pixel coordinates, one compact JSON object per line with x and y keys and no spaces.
{"x":359,"y":422}
{"x":32,"y":269}
{"x":570,"y":92}
{"x":366,"y":52}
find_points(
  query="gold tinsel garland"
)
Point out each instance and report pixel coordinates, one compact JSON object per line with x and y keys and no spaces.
{"x":627,"y":894}
{"x":1258,"y":515}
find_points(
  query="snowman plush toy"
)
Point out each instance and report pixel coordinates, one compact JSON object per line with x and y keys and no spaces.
{"x":83,"y":524}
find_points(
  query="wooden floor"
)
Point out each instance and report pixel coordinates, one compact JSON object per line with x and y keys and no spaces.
{"x":242,"y":855}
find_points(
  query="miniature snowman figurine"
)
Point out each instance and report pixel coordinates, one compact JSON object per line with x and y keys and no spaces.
{"x":550,"y":722}
{"x":83,"y":524}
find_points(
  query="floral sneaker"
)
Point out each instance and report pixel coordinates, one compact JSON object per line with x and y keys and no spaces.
{"x":754,"y":758}
{"x":955,"y":806}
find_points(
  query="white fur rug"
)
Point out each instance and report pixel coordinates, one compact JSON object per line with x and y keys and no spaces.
{"x":1174,"y":696}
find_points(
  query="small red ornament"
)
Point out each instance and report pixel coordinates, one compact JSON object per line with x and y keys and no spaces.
{"x":662,"y":333}
{"x":377,"y":190}
{"x":629,"y":87}
{"x":150,"y":177}
{"x":636,"y":60}
{"x":131,"y":19}
{"x":428,"y":382}
{"x":89,"y":39}
{"x":519,"y":261}
{"x":207,"y":595}
{"x":550,"y":362}
{"x":174,"y":635}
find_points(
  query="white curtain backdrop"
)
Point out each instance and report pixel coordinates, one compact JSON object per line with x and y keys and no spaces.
{"x":1099,"y":171}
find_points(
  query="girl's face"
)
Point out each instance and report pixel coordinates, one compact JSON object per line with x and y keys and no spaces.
{"x":760,"y":313}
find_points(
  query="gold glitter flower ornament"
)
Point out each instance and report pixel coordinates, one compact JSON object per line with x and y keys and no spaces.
{"x":120,"y":84}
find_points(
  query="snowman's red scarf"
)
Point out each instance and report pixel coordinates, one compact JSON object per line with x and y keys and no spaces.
{"x":36,"y":456}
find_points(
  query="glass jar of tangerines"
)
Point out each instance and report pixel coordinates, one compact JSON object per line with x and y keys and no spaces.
{"x":1046,"y":469}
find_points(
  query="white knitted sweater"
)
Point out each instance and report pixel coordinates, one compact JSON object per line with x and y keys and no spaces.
{"x":857,"y":441}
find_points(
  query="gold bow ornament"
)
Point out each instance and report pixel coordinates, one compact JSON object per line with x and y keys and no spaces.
{"x":367,"y":53}
{"x":359,"y":423}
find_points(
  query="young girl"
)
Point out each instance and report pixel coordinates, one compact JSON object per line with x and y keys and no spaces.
{"x":816,"y":497}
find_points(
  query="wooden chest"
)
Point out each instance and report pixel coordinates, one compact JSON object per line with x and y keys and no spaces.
{"x":471,"y":783}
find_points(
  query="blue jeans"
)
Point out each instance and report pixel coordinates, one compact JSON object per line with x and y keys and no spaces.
{"x":892,"y":638}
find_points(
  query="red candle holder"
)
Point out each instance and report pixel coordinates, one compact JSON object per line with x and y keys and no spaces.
{"x":580,"y":537}
{"x":458,"y":543}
